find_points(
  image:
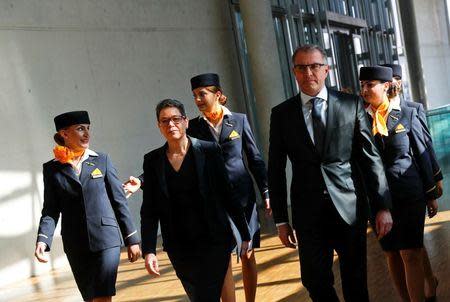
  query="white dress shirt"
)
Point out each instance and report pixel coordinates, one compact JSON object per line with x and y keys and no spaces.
{"x":307,"y":109}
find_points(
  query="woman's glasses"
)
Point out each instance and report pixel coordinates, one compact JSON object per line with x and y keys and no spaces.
{"x":176,"y":119}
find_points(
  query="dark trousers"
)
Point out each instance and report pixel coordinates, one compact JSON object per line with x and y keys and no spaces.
{"x":201,"y":272}
{"x":319,"y":234}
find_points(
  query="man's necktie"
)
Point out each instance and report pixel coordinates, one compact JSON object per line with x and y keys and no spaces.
{"x":318,"y":120}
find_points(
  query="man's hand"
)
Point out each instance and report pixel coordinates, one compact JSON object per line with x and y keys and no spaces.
{"x":151,"y":264}
{"x":439,"y":188}
{"x":131,"y":186}
{"x":267,"y":209}
{"x":383,"y":223}
{"x":39,"y":252}
{"x":287,"y":236}
{"x":432,"y":207}
{"x":134,"y":252}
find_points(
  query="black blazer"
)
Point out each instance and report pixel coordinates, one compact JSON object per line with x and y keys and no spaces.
{"x":214,"y":188}
{"x":437,"y":172}
{"x":234,"y":148}
{"x":406,"y":157}
{"x":348,"y":146}
{"x":94,"y":211}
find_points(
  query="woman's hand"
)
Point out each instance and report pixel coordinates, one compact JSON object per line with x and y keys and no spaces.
{"x":39,"y":252}
{"x":245,"y":250}
{"x":432,"y":207}
{"x":131,"y":186}
{"x":267,"y":208}
{"x":151,"y":264}
{"x":134,"y":252}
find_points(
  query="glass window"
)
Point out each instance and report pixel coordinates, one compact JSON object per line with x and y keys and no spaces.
{"x":284,"y":52}
{"x":275,"y":2}
{"x":250,"y":101}
{"x":303,"y":6}
{"x":295,"y":32}
{"x":439,"y":124}
{"x":447,"y":2}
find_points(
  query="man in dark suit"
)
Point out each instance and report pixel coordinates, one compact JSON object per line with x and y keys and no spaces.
{"x":327,"y":137}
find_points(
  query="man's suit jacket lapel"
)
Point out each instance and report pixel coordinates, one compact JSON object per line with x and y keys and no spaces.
{"x":332,"y":115}
{"x":299,"y":122}
{"x":228,"y":124}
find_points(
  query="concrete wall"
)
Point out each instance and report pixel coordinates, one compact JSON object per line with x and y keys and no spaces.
{"x":115,"y":59}
{"x":433,"y":31}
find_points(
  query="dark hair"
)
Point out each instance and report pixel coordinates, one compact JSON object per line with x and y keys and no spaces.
{"x":169,"y":103}
{"x":309,"y":48}
{"x":223,"y":98}
{"x":59,"y":139}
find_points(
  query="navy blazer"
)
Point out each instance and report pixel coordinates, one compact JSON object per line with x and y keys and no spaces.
{"x":437,"y":172}
{"x":237,"y":141}
{"x":348,"y":149}
{"x":406,"y":158}
{"x":94,"y":210}
{"x":214,"y":188}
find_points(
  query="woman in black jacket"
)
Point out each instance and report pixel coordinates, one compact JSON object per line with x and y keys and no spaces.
{"x":232,"y":132}
{"x":188,"y":193}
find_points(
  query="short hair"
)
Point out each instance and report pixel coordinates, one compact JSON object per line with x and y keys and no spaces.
{"x":309,"y":48}
{"x":169,"y":103}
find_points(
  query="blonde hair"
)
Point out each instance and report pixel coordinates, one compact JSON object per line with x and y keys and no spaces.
{"x":394,"y":90}
{"x":214,"y":89}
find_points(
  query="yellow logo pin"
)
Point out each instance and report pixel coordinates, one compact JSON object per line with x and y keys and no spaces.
{"x":234,"y":135}
{"x":399,"y":128}
{"x":96,"y":173}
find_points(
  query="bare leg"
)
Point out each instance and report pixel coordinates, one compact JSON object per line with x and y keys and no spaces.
{"x":250,"y":277}
{"x":397,"y":272}
{"x":228,"y":289}
{"x":412,"y":260}
{"x":430,"y":278}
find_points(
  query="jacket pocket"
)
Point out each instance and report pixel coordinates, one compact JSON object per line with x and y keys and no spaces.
{"x":109,"y":221}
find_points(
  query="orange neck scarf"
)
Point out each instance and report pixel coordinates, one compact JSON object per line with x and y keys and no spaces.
{"x":379,"y":120}
{"x":214,"y":116}
{"x":65,"y":155}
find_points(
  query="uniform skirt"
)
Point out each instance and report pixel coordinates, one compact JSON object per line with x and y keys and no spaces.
{"x":201,"y":272}
{"x":408,"y":225}
{"x":251,"y":214}
{"x":95,"y":272}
